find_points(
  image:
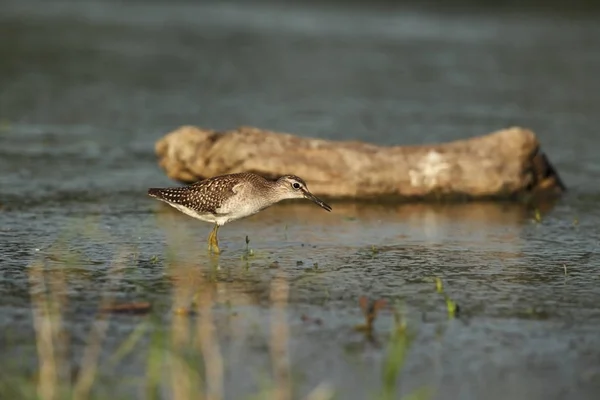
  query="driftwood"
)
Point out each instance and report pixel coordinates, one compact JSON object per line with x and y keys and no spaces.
{"x":506,"y":164}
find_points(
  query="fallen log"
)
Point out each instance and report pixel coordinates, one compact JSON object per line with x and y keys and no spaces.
{"x":507,"y":164}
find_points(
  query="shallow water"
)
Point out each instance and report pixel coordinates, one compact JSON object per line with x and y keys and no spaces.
{"x":88,"y":87}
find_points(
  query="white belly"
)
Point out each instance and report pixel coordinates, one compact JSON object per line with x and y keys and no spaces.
{"x":219,"y":219}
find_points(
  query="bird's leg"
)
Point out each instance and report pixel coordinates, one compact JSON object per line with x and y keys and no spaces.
{"x":213,"y":241}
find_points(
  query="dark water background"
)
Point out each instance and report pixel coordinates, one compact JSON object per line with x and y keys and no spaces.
{"x":87,"y":87}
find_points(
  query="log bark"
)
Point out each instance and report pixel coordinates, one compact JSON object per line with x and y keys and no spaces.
{"x":507,"y":164}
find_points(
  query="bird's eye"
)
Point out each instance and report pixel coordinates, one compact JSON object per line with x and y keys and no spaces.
{"x":296,"y":185}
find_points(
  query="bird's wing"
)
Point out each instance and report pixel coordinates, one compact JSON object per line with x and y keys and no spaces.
{"x":206,"y":196}
{"x":210,"y":195}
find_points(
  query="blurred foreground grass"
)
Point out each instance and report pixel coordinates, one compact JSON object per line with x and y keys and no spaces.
{"x":183,"y":359}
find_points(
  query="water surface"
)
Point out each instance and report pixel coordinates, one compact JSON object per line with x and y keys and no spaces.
{"x":88,"y":87}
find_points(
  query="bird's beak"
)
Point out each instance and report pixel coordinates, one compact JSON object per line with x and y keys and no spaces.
{"x":316,"y":200}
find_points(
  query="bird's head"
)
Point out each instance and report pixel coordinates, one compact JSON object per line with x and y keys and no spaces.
{"x":294,"y":187}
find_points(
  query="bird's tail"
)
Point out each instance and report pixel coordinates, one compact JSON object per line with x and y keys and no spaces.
{"x":155,"y":192}
{"x":170,"y":195}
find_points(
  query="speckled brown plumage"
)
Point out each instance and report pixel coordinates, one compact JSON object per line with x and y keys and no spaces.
{"x":208,"y":195}
{"x":227,"y":198}
{"x":205,"y":196}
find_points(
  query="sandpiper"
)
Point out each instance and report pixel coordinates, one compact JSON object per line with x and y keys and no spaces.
{"x":225,"y":198}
